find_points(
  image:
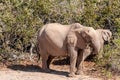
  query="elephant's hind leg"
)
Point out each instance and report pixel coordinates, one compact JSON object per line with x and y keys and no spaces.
{"x":44,"y":62}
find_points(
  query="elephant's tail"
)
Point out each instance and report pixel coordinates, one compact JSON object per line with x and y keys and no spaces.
{"x":38,"y":58}
{"x":38,"y":52}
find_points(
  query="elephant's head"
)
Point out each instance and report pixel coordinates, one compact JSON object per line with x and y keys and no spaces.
{"x":81,"y":37}
{"x":105,"y":35}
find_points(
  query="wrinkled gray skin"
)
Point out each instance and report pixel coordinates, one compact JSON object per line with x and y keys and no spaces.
{"x":65,"y":40}
{"x":104,"y":36}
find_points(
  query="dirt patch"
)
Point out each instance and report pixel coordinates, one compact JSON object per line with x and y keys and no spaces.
{"x":27,"y":70}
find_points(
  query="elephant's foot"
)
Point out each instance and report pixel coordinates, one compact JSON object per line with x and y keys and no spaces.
{"x":47,"y":70}
{"x":79,"y":73}
{"x":71,"y":75}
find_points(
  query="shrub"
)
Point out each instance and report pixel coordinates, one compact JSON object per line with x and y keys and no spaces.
{"x":21,"y":19}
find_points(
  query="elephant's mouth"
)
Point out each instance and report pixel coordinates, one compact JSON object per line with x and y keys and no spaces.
{"x":106,"y":42}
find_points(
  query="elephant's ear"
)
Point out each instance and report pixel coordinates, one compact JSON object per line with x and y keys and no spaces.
{"x":71,"y":39}
{"x":86,"y":35}
{"x":106,"y":35}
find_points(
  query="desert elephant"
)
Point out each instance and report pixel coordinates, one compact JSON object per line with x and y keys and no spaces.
{"x":104,"y":36}
{"x":55,"y":39}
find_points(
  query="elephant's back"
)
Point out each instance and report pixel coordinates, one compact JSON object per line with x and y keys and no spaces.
{"x":57,"y":28}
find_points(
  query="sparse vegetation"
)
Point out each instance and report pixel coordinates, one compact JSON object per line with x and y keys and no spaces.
{"x":21,"y":19}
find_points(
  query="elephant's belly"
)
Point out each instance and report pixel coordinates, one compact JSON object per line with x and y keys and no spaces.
{"x":58,"y":53}
{"x":54,"y":49}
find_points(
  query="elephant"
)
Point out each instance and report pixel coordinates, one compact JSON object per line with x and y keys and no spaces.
{"x":55,"y":39}
{"x":104,"y":37}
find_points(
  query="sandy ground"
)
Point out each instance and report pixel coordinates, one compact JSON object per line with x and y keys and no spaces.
{"x":34,"y":72}
{"x":26,"y":75}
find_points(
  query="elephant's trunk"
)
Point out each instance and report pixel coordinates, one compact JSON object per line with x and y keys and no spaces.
{"x":96,"y":47}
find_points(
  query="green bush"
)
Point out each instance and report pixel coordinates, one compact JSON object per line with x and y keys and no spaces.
{"x":21,"y":19}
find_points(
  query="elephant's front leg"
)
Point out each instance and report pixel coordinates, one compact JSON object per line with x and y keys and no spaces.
{"x":83,"y":54}
{"x":73,"y":58}
{"x":79,"y":63}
